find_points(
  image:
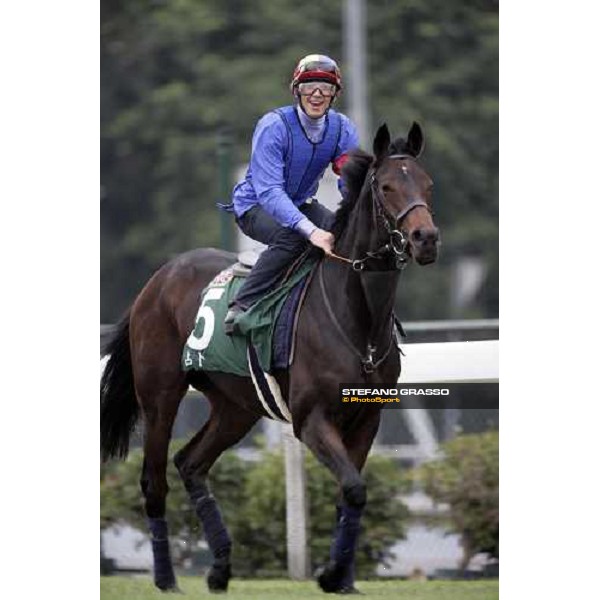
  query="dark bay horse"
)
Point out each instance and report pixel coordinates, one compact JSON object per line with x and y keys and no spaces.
{"x":344,"y":334}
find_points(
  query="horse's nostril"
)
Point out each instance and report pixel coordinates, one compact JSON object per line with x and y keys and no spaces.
{"x":426,"y":236}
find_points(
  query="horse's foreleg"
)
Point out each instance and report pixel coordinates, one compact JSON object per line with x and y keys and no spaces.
{"x":226,"y":426}
{"x":358,"y":443}
{"x":326,"y":442}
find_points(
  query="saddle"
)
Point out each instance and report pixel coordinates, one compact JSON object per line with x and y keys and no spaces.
{"x":246,"y":260}
{"x":268,"y":326}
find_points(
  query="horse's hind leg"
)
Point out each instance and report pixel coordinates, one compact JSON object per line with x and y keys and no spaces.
{"x":159,"y":385}
{"x":226,"y":425}
{"x":158,"y":423}
{"x":159,"y":409}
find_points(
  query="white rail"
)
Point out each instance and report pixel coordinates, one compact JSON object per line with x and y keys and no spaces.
{"x":445,"y":362}
{"x":450,"y":362}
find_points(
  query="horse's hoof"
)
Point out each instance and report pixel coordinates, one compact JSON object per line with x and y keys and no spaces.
{"x":218,"y":578}
{"x":349,"y":590}
{"x":330,"y":577}
{"x":168,"y":587}
{"x":167,"y":584}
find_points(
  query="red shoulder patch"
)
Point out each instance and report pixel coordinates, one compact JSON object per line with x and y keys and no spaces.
{"x":339,"y":162}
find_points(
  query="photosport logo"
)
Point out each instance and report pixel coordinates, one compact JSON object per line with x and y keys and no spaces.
{"x":427,"y":395}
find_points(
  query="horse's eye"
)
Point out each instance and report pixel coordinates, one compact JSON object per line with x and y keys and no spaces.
{"x":386,"y":188}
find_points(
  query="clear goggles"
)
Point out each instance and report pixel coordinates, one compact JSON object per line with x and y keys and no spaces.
{"x":309,"y":88}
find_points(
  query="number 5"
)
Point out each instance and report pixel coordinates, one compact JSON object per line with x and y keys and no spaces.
{"x":205,"y":312}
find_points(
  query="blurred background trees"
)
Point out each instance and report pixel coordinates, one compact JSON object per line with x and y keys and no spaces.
{"x":176,"y":74}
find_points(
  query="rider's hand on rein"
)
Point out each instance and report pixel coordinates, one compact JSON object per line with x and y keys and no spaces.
{"x":322,"y":239}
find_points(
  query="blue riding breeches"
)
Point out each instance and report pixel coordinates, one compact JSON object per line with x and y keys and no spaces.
{"x":284,"y":246}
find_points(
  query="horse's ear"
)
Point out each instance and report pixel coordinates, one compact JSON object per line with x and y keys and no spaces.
{"x":381,"y":143}
{"x":415,"y":142}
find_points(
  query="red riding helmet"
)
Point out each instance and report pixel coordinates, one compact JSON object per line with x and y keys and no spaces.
{"x":317,"y":67}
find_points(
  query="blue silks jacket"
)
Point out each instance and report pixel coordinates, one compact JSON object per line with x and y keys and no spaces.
{"x":286,"y":167}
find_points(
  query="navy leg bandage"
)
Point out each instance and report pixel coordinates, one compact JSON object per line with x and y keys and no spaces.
{"x":344,"y":542}
{"x":217,"y":537}
{"x":348,"y":572}
{"x":164,"y":577}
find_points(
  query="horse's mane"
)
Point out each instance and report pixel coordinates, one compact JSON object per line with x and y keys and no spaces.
{"x":353,"y":174}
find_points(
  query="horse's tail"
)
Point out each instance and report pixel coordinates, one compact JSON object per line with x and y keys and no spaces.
{"x":119,"y":409}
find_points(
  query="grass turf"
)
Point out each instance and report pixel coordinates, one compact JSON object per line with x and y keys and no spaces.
{"x":142,"y":588}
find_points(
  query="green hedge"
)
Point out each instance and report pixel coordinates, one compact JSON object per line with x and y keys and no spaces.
{"x":466,"y":479}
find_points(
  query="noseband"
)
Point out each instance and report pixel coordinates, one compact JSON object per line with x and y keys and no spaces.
{"x":398,"y":239}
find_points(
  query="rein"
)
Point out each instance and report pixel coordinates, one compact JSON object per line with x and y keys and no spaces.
{"x":368,"y":362}
{"x":398,"y":240}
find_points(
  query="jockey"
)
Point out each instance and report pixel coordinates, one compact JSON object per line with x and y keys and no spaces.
{"x":291,"y":149}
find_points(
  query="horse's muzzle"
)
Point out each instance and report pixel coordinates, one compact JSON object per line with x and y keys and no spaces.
{"x":424,"y":244}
